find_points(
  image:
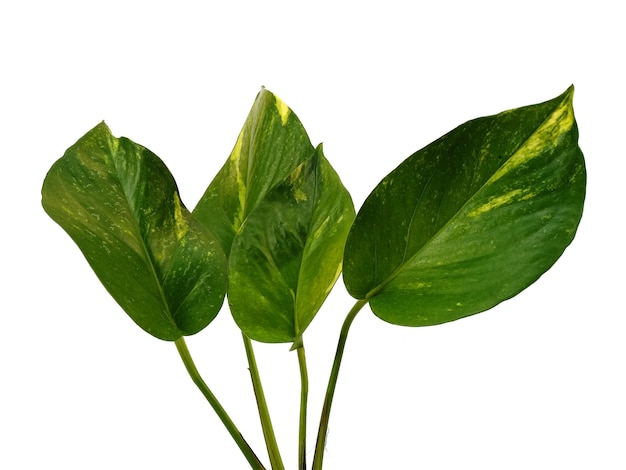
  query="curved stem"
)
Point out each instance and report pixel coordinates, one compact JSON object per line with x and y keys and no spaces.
{"x":304,"y":392}
{"x":332,"y":383}
{"x":181,"y":346}
{"x":264,"y":415}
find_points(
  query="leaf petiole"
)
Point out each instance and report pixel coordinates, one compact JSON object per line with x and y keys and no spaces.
{"x":304,"y":392}
{"x":247,"y":451}
{"x":332,"y":383}
{"x":264,"y":415}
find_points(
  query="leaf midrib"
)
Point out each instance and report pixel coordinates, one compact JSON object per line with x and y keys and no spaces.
{"x":146,"y":250}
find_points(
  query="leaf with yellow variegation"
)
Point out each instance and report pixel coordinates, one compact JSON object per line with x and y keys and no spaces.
{"x":287,"y":255}
{"x":120,"y":204}
{"x":471,"y":219}
{"x":270,"y":146}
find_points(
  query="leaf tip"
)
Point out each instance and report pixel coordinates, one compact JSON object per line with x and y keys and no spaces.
{"x":283,"y":110}
{"x":568,"y":95}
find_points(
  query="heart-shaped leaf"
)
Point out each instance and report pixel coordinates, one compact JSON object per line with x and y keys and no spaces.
{"x":287,"y":255}
{"x":472,"y":219}
{"x":120,"y":204}
{"x":271,"y":144}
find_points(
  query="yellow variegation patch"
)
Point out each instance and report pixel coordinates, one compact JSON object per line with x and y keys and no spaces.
{"x":543,"y":139}
{"x":283,"y":110}
{"x":495,"y":202}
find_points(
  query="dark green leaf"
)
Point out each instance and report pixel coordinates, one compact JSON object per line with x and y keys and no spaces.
{"x":287,"y":256}
{"x":271,"y":144}
{"x":120,"y":204}
{"x":472,"y":219}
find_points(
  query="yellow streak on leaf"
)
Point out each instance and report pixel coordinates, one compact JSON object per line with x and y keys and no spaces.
{"x":321,"y":228}
{"x":235,"y":158}
{"x":283,"y":110}
{"x":181,"y":224}
{"x":544,"y":138}
{"x":494,"y":202}
{"x":330,"y":285}
{"x":295,"y":180}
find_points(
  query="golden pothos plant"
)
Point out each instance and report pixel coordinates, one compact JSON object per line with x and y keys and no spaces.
{"x":466,"y":222}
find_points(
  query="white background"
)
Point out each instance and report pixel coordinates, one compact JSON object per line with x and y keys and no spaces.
{"x":536,"y":383}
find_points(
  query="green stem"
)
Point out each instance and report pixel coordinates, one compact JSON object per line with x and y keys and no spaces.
{"x":266,"y":422}
{"x":304,"y":392}
{"x":255,"y":463}
{"x":332,"y":383}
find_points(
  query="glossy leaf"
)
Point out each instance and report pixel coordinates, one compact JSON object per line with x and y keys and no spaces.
{"x":120,"y":204}
{"x":270,"y":146}
{"x":472,"y":219}
{"x":288,"y":254}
